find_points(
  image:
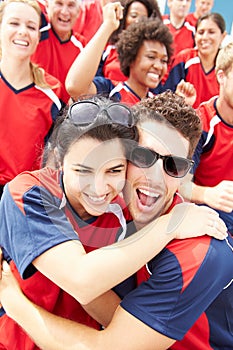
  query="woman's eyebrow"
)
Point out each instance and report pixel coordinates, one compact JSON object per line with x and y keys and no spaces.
{"x":83,"y":166}
{"x":89,"y":168}
{"x":117,"y":166}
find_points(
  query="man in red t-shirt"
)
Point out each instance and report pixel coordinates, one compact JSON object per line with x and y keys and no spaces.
{"x":213,"y":171}
{"x":59,"y":45}
{"x":201,"y":8}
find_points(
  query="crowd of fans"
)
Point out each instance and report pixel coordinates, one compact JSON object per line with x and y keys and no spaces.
{"x":63,"y":60}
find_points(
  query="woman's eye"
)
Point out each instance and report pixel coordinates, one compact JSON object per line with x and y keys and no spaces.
{"x":82,"y":171}
{"x":13,"y":23}
{"x":116,"y":171}
{"x":32,"y":28}
{"x":133,"y":15}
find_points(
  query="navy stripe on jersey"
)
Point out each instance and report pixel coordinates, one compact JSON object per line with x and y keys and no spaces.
{"x":163,"y":304}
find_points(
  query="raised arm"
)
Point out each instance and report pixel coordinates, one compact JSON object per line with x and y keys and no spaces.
{"x":83,"y":70}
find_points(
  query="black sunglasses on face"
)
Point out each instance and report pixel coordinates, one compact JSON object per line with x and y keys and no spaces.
{"x":85,"y":112}
{"x":174,"y":166}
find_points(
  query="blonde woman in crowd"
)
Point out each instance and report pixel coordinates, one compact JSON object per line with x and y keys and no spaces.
{"x":30,"y":98}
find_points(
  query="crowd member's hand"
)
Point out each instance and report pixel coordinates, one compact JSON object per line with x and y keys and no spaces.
{"x":112,"y":14}
{"x":220,"y":197}
{"x":188,"y":91}
{"x":191,"y":220}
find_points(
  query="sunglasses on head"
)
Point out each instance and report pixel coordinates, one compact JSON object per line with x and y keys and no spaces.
{"x":174,"y":166}
{"x":85,"y":112}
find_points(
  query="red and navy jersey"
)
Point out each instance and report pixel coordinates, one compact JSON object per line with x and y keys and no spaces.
{"x":56,"y":56}
{"x":187,"y":66}
{"x":42,"y":4}
{"x":191,"y":19}
{"x":213,"y":155}
{"x":118,"y":91}
{"x":109,"y":66}
{"x":26,"y":123}
{"x":89,"y":19}
{"x":183,"y":37}
{"x":187,"y":294}
{"x":35,"y":216}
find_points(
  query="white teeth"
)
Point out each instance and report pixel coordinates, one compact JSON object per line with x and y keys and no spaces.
{"x":149,"y":194}
{"x":154,"y":75}
{"x":64,"y":20}
{"x":97,"y":199}
{"x":21,"y":42}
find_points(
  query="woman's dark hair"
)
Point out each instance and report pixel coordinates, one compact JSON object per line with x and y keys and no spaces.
{"x":216,"y":18}
{"x":132,"y":38}
{"x":152,"y":9}
{"x":66,"y":133}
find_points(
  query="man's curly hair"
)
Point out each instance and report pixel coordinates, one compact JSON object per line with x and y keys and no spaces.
{"x":132,"y":38}
{"x":173,"y":108}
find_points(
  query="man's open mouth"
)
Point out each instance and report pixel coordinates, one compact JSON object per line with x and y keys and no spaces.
{"x":146,"y":197}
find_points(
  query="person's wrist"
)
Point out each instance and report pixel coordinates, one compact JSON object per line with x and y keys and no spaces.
{"x":176,"y":227}
{"x":170,"y":228}
{"x":205,"y":195}
{"x":108,"y":27}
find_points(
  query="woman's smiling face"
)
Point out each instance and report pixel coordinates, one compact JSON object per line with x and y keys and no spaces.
{"x":19,"y":32}
{"x":208,"y":37}
{"x":150,"y":64}
{"x":135,"y":11}
{"x":93,"y":175}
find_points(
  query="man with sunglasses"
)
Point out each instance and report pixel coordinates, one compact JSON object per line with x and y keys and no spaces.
{"x":186,"y":298}
{"x":185,"y":293}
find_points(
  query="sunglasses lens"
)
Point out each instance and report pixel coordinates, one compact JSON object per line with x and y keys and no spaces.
{"x":83,"y":113}
{"x":120,"y":114}
{"x":176,"y":166}
{"x":142,"y":157}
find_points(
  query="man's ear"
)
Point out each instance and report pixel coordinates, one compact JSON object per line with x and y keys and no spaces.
{"x":220,"y":75}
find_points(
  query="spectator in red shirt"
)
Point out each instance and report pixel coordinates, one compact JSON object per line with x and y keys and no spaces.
{"x":201,"y":8}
